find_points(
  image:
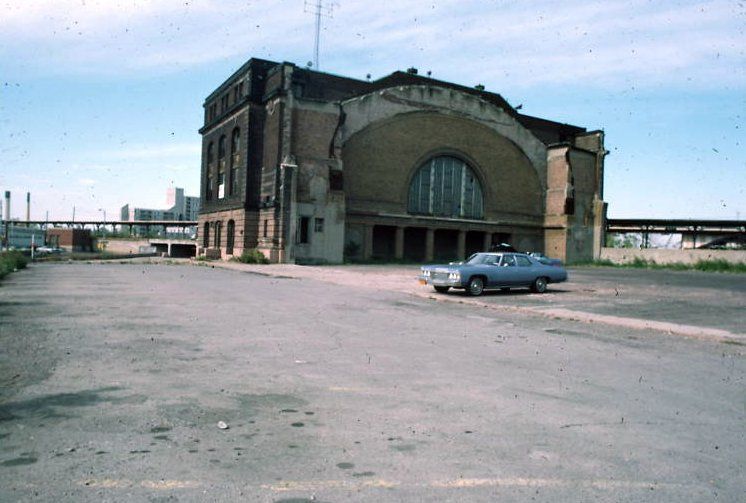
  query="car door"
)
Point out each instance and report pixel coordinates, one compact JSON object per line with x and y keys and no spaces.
{"x":525,"y":271}
{"x":491,"y":269}
{"x":508,"y":273}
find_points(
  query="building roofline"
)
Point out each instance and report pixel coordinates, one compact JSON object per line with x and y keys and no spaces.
{"x":528,"y":120}
{"x":243,"y":68}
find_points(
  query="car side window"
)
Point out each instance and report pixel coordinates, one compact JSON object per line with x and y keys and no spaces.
{"x":523,"y":261}
{"x":508,"y":261}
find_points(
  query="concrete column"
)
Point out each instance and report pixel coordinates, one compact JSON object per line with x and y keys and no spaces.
{"x":487,"y":241}
{"x":368,"y":242}
{"x":168,"y":250}
{"x":429,"y":245}
{"x":461,"y":247}
{"x":399,"y":243}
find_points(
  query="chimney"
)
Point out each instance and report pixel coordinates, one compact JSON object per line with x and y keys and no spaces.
{"x":28,"y":207}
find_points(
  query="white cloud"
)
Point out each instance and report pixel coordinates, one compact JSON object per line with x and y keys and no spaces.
{"x":608,"y":43}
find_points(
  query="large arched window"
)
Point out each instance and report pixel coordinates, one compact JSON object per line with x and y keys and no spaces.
{"x":235,"y":161}
{"x":209,"y":184}
{"x":218,"y":226}
{"x":210,"y":153}
{"x":230,"y":237}
{"x":446,"y":187}
{"x":206,"y":235}
{"x":221,"y":167}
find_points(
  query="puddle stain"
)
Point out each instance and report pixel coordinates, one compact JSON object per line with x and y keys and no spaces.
{"x":49,"y":406}
{"x":298,"y":425}
{"x":345,"y":466}
{"x":160,"y":429}
{"x":363,"y":474}
{"x":23,"y":460}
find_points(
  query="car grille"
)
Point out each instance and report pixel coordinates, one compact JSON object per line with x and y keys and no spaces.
{"x":441,"y":276}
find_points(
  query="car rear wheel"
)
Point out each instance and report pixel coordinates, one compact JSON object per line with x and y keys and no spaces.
{"x":476,"y":286}
{"x":441,"y":289}
{"x":540,"y":285}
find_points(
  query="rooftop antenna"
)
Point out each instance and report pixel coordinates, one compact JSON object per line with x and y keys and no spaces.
{"x":318,"y":8}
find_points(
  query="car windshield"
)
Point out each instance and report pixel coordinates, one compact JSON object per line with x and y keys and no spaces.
{"x":483,"y":258}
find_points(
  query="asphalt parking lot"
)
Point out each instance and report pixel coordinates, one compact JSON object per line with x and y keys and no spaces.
{"x":356,"y":384}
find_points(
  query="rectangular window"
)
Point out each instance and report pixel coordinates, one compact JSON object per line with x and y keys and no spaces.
{"x":303,"y":230}
{"x":266,"y":223}
{"x":318,"y":225}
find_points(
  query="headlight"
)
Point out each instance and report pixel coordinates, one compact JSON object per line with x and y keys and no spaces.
{"x":454,"y":275}
{"x":426,"y":272}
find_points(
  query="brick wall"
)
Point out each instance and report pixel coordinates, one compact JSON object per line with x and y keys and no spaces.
{"x":380,"y":160}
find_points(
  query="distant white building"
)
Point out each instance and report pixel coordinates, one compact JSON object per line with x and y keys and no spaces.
{"x":180,"y":208}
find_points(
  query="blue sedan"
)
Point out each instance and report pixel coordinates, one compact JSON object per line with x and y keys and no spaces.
{"x":486,"y":271}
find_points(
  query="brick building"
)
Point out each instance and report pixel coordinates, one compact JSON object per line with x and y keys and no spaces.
{"x":312,"y":167}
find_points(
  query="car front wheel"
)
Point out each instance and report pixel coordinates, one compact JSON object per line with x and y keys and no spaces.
{"x":540,"y":285}
{"x":476,"y":286}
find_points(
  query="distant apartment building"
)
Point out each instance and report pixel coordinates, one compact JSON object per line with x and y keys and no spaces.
{"x":180,"y":208}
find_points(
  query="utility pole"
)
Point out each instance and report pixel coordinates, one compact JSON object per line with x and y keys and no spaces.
{"x":318,"y":8}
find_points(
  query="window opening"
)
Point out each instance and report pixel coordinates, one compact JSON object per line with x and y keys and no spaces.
{"x":523,"y":261}
{"x":217,"y":234}
{"x":221,"y":167}
{"x":230,"y":231}
{"x":235,"y":160}
{"x":446,"y":186}
{"x":303,"y":230}
{"x":508,"y":261}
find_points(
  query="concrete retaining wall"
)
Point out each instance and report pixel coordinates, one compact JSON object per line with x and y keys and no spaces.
{"x":666,"y":256}
{"x":124,"y":246}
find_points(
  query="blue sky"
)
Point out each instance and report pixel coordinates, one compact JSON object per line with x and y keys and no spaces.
{"x":100,"y":100}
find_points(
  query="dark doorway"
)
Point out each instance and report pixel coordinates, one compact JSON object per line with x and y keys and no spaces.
{"x":414,"y":244}
{"x":446,"y":245}
{"x":474,"y":242}
{"x":384,"y":242}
